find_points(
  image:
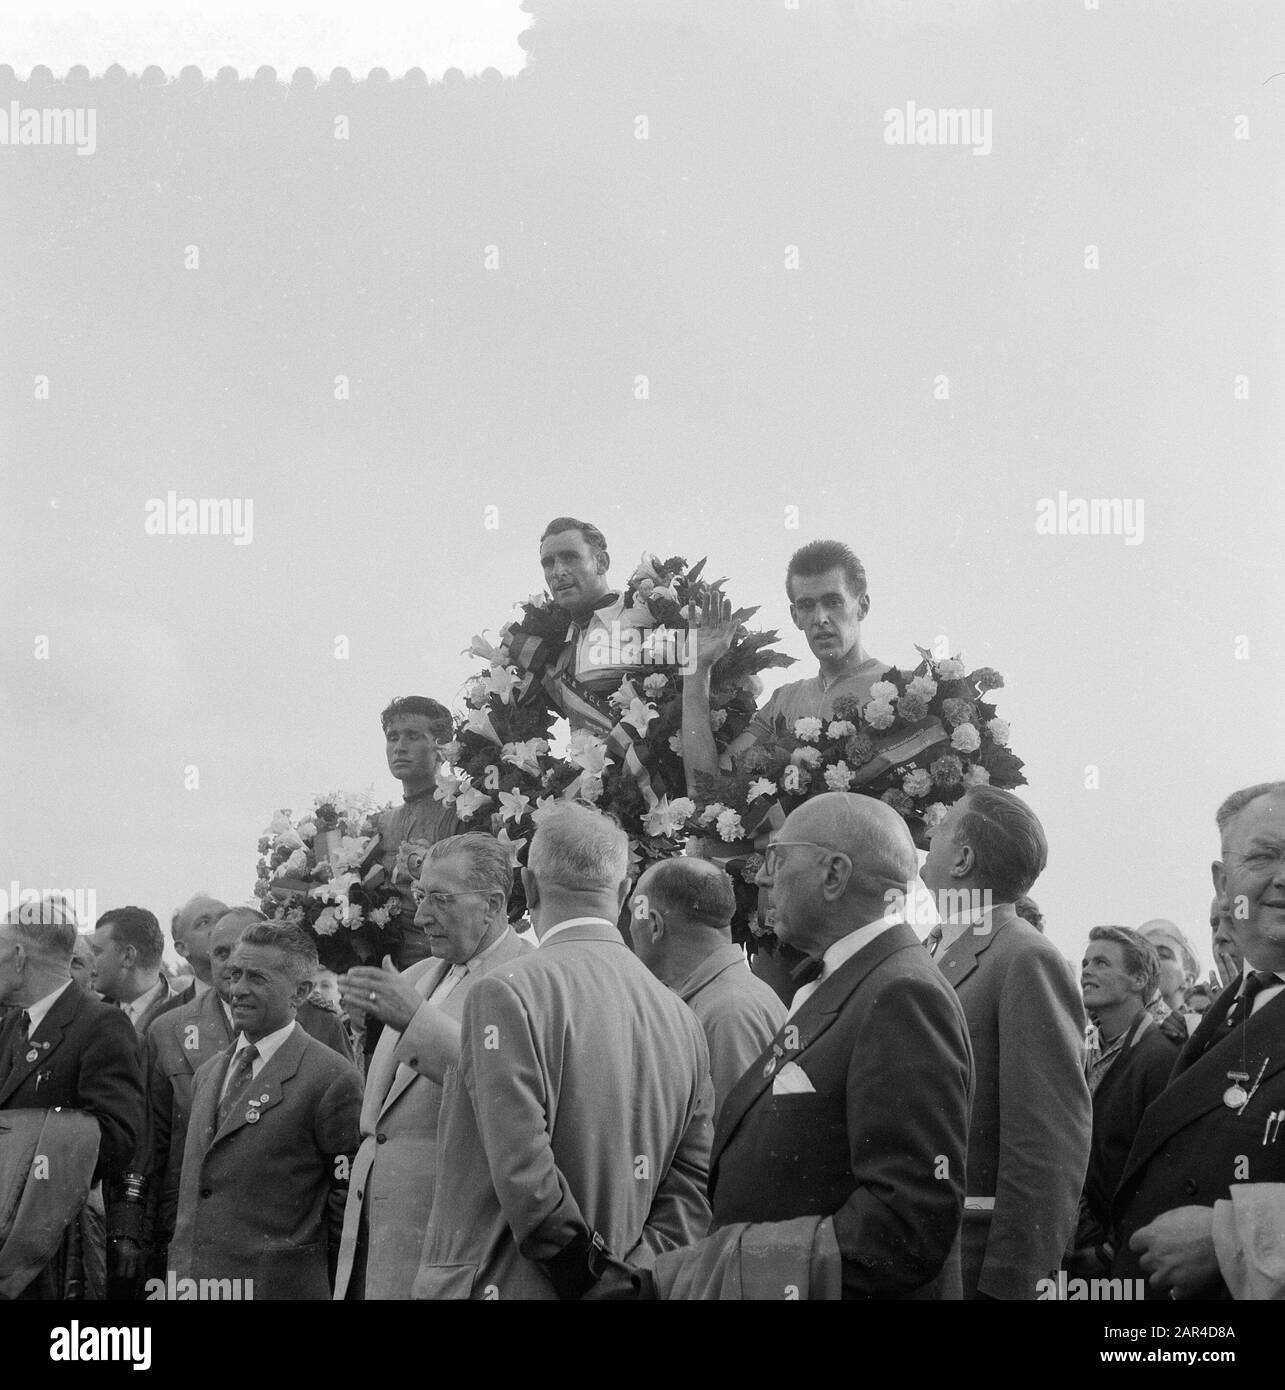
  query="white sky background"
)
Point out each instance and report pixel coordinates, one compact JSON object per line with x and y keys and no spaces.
{"x":769,"y":389}
{"x":248,"y":34}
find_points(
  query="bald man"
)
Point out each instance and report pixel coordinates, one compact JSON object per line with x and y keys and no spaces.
{"x":857,"y":1114}
{"x":681,"y":925}
{"x":190,"y":927}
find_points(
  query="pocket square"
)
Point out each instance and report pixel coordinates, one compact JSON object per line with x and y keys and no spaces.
{"x":792,"y":1080}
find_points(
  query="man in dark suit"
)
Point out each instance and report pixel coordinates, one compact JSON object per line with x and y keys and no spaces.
{"x":1028,"y":1139}
{"x":179,"y":1043}
{"x":1218,"y":1122}
{"x":574,"y":1134}
{"x":1127,"y":1066}
{"x":272,"y":1133}
{"x":858,"y":1112}
{"x":61,"y":1048}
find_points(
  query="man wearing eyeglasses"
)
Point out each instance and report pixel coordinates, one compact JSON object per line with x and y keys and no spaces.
{"x":856,"y":1116}
{"x":461,"y":900}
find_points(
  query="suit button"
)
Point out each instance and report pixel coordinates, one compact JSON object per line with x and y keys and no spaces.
{"x":414,"y":1064}
{"x":381,"y":1139}
{"x":207,"y":1192}
{"x":1189,"y":1187}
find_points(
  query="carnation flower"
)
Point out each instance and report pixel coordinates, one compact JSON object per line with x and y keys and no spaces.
{"x":976,"y":777}
{"x":750,"y":869}
{"x":761,"y":786}
{"x":265,"y":845}
{"x":859,"y":749}
{"x":998,"y":730}
{"x":840,"y":728}
{"x":947,"y":770}
{"x":898,"y":800}
{"x":379,"y":915}
{"x":934,"y":814}
{"x":808,"y":729}
{"x":879,"y":714}
{"x":923,"y":686}
{"x":729,"y":825}
{"x":950,"y":670}
{"x":987,"y":678}
{"x":327,"y":924}
{"x":717,"y":718}
{"x":912,"y":708}
{"x":806,"y":756}
{"x":918,"y":783}
{"x":755,"y":759}
{"x":653,"y":685}
{"x":959,"y":712}
{"x":839,"y":777}
{"x":712,"y":812}
{"x":645,"y":586}
{"x":884,"y":691}
{"x":966,"y":739}
{"x":847,"y":707}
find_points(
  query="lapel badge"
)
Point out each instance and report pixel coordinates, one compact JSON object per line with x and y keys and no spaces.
{"x":771,"y":1066}
{"x":264,"y":1098}
{"x":252,"y":1117}
{"x":32,"y":1055}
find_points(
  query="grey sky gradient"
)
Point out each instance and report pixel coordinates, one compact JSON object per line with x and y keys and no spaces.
{"x":770,"y":388}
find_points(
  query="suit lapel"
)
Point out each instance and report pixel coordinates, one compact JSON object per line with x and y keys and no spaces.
{"x":802,"y":1029}
{"x":266,"y":1088}
{"x":960,"y":960}
{"x":1198,"y":1088}
{"x":44,"y":1040}
{"x":398,"y":1078}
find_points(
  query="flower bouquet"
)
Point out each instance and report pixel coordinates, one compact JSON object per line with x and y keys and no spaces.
{"x":322,"y":873}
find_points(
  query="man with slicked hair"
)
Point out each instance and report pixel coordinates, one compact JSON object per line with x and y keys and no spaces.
{"x":856,"y":1116}
{"x":1031,"y":1121}
{"x":681,"y":924}
{"x":575,"y":1132}
{"x":1217,"y":1124}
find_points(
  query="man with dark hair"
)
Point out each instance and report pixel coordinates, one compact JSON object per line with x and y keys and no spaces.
{"x":1128,"y":1065}
{"x":1217,"y":1123}
{"x":60,"y":1047}
{"x":128,"y":945}
{"x":826,"y":586}
{"x":681,"y":925}
{"x":415,"y":727}
{"x":1028,"y":1142}
{"x":272,"y":1133}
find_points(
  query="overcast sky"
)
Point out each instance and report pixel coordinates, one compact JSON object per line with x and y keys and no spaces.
{"x":776,"y":395}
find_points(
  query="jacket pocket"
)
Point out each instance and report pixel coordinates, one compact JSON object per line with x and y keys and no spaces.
{"x":445,"y":1281}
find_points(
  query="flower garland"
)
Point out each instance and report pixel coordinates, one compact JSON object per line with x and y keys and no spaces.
{"x":317,"y":874}
{"x":921,"y":740}
{"x":624,"y":753}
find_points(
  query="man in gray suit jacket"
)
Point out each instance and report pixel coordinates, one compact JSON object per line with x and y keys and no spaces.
{"x":271,"y":1137}
{"x":575,"y":1131}
{"x":1031,"y":1121}
{"x":462,"y":905}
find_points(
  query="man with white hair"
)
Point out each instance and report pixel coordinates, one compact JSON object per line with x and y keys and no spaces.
{"x":575,"y":1131}
{"x":1218,"y":1124}
{"x":62,"y":1048}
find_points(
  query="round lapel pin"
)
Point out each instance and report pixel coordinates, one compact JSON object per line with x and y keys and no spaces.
{"x":32,"y":1055}
{"x":252,"y":1117}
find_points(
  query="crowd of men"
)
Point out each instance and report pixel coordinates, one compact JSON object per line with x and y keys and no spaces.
{"x":596,"y":1117}
{"x":567,"y":1108}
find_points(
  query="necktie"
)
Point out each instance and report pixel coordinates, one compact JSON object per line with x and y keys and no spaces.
{"x":1255,"y":983}
{"x":807,"y":980}
{"x":932,"y":942}
{"x":237,"y":1083}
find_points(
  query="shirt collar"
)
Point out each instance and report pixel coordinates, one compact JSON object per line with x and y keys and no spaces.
{"x":721,"y":958}
{"x":482,"y":955}
{"x":842,"y":951}
{"x":574,"y":922}
{"x":36,"y":1012}
{"x":136,"y":1008}
{"x":267,"y":1046}
{"x":954,"y":927}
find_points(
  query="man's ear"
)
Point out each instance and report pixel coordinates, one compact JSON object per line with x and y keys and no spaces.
{"x":531,"y":889}
{"x":602,"y":562}
{"x":622,"y":893}
{"x":965,"y":861}
{"x":180,"y":949}
{"x":834,"y":883}
{"x":863,"y":607}
{"x":1218,"y":872}
{"x":301,"y":992}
